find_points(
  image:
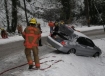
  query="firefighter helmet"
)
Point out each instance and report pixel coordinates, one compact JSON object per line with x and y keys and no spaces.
{"x":33,"y":21}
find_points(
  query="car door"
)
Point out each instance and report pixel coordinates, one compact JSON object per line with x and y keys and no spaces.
{"x":85,"y":46}
{"x":90,"y":47}
{"x":81,"y":46}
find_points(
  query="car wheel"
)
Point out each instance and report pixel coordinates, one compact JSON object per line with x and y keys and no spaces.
{"x":96,"y":54}
{"x":71,"y":51}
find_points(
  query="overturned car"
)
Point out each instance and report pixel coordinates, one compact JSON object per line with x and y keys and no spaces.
{"x":69,"y":41}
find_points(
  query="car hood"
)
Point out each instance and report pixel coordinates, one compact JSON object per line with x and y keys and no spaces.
{"x":66,"y":29}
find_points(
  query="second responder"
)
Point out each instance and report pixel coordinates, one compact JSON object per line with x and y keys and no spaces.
{"x":19,"y":28}
{"x":51,"y":25}
{"x":3,"y":33}
{"x":39,"y":26}
{"x":56,"y":29}
{"x":31,"y":36}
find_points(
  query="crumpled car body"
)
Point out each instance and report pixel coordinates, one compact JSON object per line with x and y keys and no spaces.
{"x":69,"y":41}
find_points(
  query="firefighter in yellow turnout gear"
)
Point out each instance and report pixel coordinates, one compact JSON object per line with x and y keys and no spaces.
{"x":32,"y":35}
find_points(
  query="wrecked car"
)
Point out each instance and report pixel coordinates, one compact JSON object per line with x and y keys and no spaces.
{"x":69,"y":41}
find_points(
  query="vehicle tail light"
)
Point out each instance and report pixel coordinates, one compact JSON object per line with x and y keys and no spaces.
{"x":63,"y":43}
{"x":50,"y":34}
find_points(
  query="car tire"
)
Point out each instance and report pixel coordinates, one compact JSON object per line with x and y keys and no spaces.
{"x":96,"y":54}
{"x":71,"y":51}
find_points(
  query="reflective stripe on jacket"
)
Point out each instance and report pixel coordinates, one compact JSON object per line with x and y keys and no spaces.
{"x":31,"y":36}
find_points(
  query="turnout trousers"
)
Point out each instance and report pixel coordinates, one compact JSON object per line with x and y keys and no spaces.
{"x":35,"y":54}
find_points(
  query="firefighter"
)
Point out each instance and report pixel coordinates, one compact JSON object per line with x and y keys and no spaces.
{"x":3,"y":33}
{"x":19,"y":28}
{"x":62,"y":22}
{"x":51,"y":25}
{"x":31,"y":35}
{"x":56,"y":29}
{"x":40,"y":41}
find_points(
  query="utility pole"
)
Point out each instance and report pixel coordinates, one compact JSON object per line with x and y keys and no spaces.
{"x":25,"y":11}
{"x":87,"y":12}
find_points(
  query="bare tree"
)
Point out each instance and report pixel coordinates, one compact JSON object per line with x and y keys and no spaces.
{"x":14,"y":15}
{"x":7,"y":17}
{"x":87,"y":12}
{"x":66,"y":10}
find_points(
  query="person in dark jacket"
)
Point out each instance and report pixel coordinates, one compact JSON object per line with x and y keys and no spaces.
{"x":40,"y":41}
{"x":56,"y":29}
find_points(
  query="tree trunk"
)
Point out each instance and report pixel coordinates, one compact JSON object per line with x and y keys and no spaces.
{"x":87,"y":11}
{"x":14,"y":15}
{"x":7,"y":17}
{"x":66,"y":9}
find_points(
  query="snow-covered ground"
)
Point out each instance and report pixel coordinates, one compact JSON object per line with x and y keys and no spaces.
{"x":64,"y":64}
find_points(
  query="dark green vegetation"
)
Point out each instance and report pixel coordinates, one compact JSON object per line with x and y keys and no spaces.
{"x":90,"y":11}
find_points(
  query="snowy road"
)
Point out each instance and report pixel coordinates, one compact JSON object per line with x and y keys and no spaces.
{"x":12,"y":54}
{"x":95,"y":34}
{"x":14,"y":47}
